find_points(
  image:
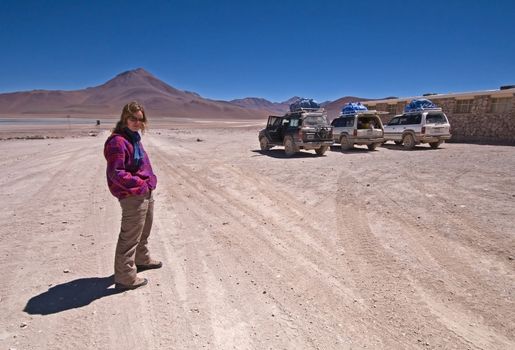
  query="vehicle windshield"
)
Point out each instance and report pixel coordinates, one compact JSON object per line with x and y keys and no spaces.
{"x":313,"y":120}
{"x":436,"y":119}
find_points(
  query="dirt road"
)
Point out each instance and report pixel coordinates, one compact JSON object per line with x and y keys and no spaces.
{"x":388,"y":249}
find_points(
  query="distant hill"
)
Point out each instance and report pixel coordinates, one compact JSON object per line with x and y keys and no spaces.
{"x":159,"y":98}
{"x":263,"y":104}
{"x":334,"y":108}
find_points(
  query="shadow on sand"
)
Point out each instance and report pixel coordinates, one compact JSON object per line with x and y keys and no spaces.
{"x":71,"y":295}
{"x":420,"y":147}
{"x":279,"y":153}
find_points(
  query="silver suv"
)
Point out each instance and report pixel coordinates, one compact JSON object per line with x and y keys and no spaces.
{"x":359,"y":128}
{"x":423,"y":126}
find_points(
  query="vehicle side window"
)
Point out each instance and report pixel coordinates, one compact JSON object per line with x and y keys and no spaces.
{"x":413,"y":119}
{"x":294,"y":123}
{"x":394,"y":121}
{"x":340,"y":122}
{"x":274,"y":121}
{"x":410,"y":119}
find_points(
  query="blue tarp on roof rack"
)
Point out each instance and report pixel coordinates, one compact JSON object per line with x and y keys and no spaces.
{"x":419,"y":105}
{"x":353,"y":108}
{"x":304,"y":103}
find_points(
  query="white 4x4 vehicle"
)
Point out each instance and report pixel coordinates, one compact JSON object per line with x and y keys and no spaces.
{"x":423,"y":125}
{"x":359,"y":128}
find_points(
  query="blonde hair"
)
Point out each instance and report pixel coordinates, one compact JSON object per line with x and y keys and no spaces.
{"x":128,"y":111}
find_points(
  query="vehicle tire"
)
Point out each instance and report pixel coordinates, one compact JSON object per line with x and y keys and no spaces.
{"x":345,"y":144}
{"x":263,"y":143}
{"x":408,"y":141}
{"x":398,"y":142}
{"x":373,"y":146}
{"x":435,"y":145}
{"x":289,"y":146}
{"x":320,"y":151}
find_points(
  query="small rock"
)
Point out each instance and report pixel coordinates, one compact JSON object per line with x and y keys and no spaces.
{"x":66,"y":271}
{"x":23,"y":325}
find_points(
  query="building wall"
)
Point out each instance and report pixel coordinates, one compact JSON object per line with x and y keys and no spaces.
{"x":478,"y":122}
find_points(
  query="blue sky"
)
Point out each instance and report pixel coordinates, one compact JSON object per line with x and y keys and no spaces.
{"x":271,"y":49}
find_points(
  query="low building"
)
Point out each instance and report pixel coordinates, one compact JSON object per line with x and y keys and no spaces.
{"x":479,"y":117}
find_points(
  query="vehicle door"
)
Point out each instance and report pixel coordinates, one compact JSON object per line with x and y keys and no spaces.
{"x":338,"y":124}
{"x":412,"y":122}
{"x":392,"y":130}
{"x":274,"y":128}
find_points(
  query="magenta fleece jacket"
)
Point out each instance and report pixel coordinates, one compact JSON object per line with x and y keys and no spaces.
{"x":124,"y":177}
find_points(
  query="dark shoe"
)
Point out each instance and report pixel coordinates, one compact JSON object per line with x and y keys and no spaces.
{"x":153,"y":264}
{"x":140,"y":282}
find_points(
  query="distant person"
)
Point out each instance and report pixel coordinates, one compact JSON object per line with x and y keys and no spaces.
{"x":130,"y":179}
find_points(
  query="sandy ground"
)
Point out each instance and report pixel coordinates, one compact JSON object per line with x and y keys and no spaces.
{"x":389,"y":249}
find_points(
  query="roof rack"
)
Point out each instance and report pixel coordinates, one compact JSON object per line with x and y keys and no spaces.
{"x":368,"y":111}
{"x":304,"y":109}
{"x":424,"y":109}
{"x":420,"y":105}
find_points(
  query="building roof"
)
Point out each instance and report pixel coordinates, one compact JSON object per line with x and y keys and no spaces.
{"x":460,"y":95}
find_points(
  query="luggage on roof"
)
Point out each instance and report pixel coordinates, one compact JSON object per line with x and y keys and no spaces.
{"x":353,"y":108}
{"x":304,"y":103}
{"x":419,"y":105}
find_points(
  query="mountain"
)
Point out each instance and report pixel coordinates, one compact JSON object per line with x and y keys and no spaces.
{"x":258,"y":103}
{"x":334,"y":108}
{"x":159,"y":98}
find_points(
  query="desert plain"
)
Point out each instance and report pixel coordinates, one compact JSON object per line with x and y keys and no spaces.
{"x":388,"y":249}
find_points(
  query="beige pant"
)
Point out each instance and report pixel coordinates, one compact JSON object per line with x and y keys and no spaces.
{"x":131,"y":249}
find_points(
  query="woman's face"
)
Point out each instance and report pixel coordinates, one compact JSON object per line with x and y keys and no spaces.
{"x":134,"y":121}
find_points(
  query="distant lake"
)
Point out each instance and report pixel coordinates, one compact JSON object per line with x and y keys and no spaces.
{"x":51,"y":121}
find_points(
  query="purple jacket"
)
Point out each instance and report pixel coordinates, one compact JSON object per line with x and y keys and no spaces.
{"x":124,"y":177}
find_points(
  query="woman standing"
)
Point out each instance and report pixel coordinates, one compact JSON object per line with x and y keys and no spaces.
{"x":130,"y":179}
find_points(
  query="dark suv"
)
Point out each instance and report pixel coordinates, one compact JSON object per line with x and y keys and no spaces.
{"x":303,"y":129}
